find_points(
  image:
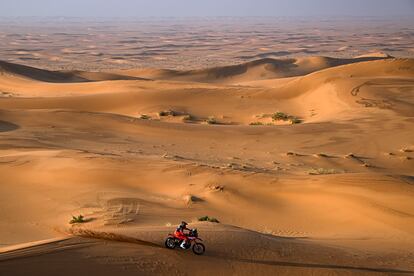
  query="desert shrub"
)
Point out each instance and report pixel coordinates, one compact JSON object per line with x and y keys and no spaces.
{"x":211,"y":121}
{"x":320,"y":171}
{"x":207,"y":218}
{"x":187,"y":117}
{"x":77,"y":219}
{"x":279,"y":116}
{"x":144,"y":117}
{"x":256,"y":124}
{"x":350,"y":155}
{"x":295,"y":120}
{"x":167,"y":113}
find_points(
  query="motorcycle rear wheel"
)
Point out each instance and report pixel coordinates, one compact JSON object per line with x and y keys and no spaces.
{"x":199,"y":248}
{"x":170,"y":243}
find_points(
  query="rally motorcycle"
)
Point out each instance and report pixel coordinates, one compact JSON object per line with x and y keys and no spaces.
{"x":193,"y":241}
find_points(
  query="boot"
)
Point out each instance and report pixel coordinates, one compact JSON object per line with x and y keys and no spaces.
{"x":183,"y":245}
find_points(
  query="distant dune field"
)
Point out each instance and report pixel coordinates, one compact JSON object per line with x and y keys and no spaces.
{"x":195,"y":43}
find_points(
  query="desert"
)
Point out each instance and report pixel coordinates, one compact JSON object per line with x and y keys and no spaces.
{"x":302,"y":150}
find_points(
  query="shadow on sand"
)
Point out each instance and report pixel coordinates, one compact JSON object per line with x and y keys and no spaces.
{"x":310,"y":265}
{"x":121,"y":238}
{"x":6,"y":126}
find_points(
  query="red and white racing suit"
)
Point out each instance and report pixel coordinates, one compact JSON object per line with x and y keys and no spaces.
{"x":179,"y":233}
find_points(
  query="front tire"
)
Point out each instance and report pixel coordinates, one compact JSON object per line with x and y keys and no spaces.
{"x":199,"y":248}
{"x":170,"y":243}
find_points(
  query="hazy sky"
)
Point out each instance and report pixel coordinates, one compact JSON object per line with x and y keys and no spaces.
{"x":144,"y":8}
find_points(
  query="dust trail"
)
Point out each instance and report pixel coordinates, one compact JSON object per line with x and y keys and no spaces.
{"x":87,"y":233}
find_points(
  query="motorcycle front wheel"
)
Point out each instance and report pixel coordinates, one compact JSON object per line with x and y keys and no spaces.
{"x":170,"y":243}
{"x":199,"y":248}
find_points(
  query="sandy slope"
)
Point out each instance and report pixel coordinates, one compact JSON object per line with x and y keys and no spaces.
{"x":265,"y":255}
{"x":266,"y":68}
{"x":330,"y":195}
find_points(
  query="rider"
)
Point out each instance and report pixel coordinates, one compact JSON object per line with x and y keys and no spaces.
{"x":179,"y":233}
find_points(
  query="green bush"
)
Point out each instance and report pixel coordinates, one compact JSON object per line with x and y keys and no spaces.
{"x":78,"y":219}
{"x":279,"y":116}
{"x":207,"y":218}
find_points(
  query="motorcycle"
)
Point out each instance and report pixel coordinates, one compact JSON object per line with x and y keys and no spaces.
{"x":198,"y":248}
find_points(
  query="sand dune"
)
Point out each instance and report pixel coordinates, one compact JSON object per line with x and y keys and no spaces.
{"x":346,"y":91}
{"x":325,"y":187}
{"x":31,"y":73}
{"x":36,"y":74}
{"x":134,"y":257}
{"x":254,"y":70}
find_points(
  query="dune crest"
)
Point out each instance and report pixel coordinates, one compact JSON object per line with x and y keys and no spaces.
{"x":261,"y":69}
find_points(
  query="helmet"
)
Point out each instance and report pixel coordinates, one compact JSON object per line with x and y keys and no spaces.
{"x":183,"y":224}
